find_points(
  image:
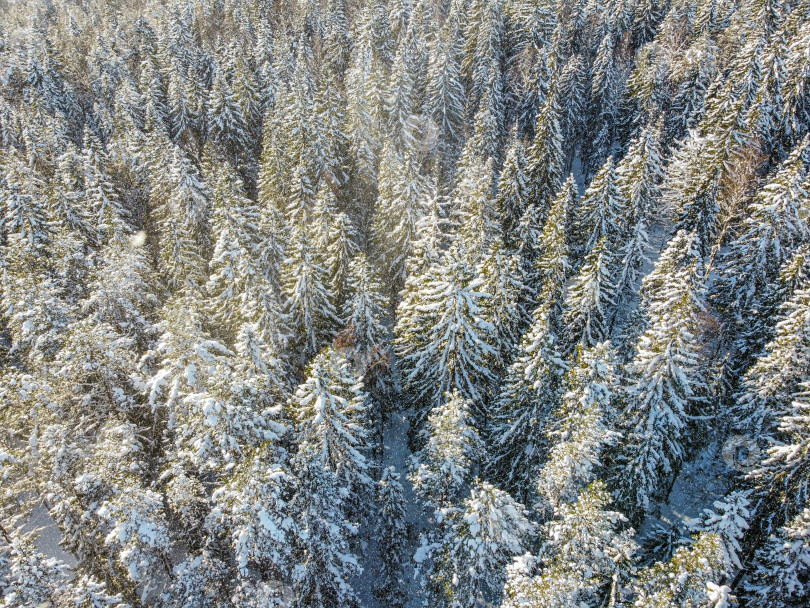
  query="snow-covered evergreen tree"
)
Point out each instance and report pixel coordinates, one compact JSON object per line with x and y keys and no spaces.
{"x":580,"y":428}
{"x":529,"y":391}
{"x":491,"y":529}
{"x":448,"y":460}
{"x":330,"y":411}
{"x":584,"y":558}
{"x":324,"y":564}
{"x":590,"y":299}
{"x":669,"y":384}
{"x":456,"y":346}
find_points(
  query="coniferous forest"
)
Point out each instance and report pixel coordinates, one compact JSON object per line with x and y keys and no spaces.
{"x":402,"y":303}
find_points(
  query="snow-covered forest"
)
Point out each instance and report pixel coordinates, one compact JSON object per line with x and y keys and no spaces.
{"x":402,"y":303}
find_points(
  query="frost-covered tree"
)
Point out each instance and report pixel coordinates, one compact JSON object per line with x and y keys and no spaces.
{"x":442,"y":468}
{"x":773,"y":228}
{"x":404,"y":197}
{"x":638,"y":177}
{"x":590,"y":299}
{"x":600,"y":210}
{"x":505,"y":309}
{"x":309,"y":301}
{"x":529,"y":391}
{"x":692,"y":577}
{"x":513,"y":189}
{"x":365,"y":307}
{"x":491,"y":529}
{"x":779,"y":573}
{"x":552,"y":265}
{"x":729,"y":521}
{"x":324,"y":564}
{"x":584,"y":558}
{"x":771,"y":384}
{"x":251,"y":509}
{"x":545,"y":156}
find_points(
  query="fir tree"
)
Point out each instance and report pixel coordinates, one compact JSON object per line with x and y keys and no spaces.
{"x":590,"y":299}
{"x":581,"y":562}
{"x":324,"y":564}
{"x":490,"y":530}
{"x":313,"y":315}
{"x":600,"y":211}
{"x":580,"y":428}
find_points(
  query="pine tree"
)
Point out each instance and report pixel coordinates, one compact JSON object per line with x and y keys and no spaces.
{"x":484,"y":52}
{"x":443,"y":467}
{"x":552,"y":265}
{"x":545,"y":156}
{"x":637,"y":179}
{"x":218,"y":426}
{"x":779,"y":574}
{"x":782,"y":476}
{"x":228,"y":127}
{"x":512,"y":192}
{"x":491,"y":529}
{"x":100,"y":195}
{"x":474,"y":204}
{"x":772,"y":229}
{"x":690,"y":193}
{"x":24,"y":213}
{"x":446,"y":97}
{"x":32,"y":578}
{"x":500,"y":276}
{"x":365,"y":306}
{"x":729,"y":522}
{"x":690,"y":578}
{"x":252,"y":509}
{"x":234,"y":274}
{"x":770,"y":385}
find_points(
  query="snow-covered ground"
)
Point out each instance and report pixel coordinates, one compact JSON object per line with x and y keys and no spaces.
{"x":49,"y":536}
{"x":395,"y":455}
{"x":702,"y":480}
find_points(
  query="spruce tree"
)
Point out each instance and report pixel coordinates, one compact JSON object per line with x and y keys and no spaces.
{"x":584,"y":558}
{"x":456,"y":346}
{"x":529,"y":391}
{"x":668,"y":383}
{"x":580,"y":427}
{"x":309,"y":302}
{"x":330,"y":410}
{"x":590,"y":300}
